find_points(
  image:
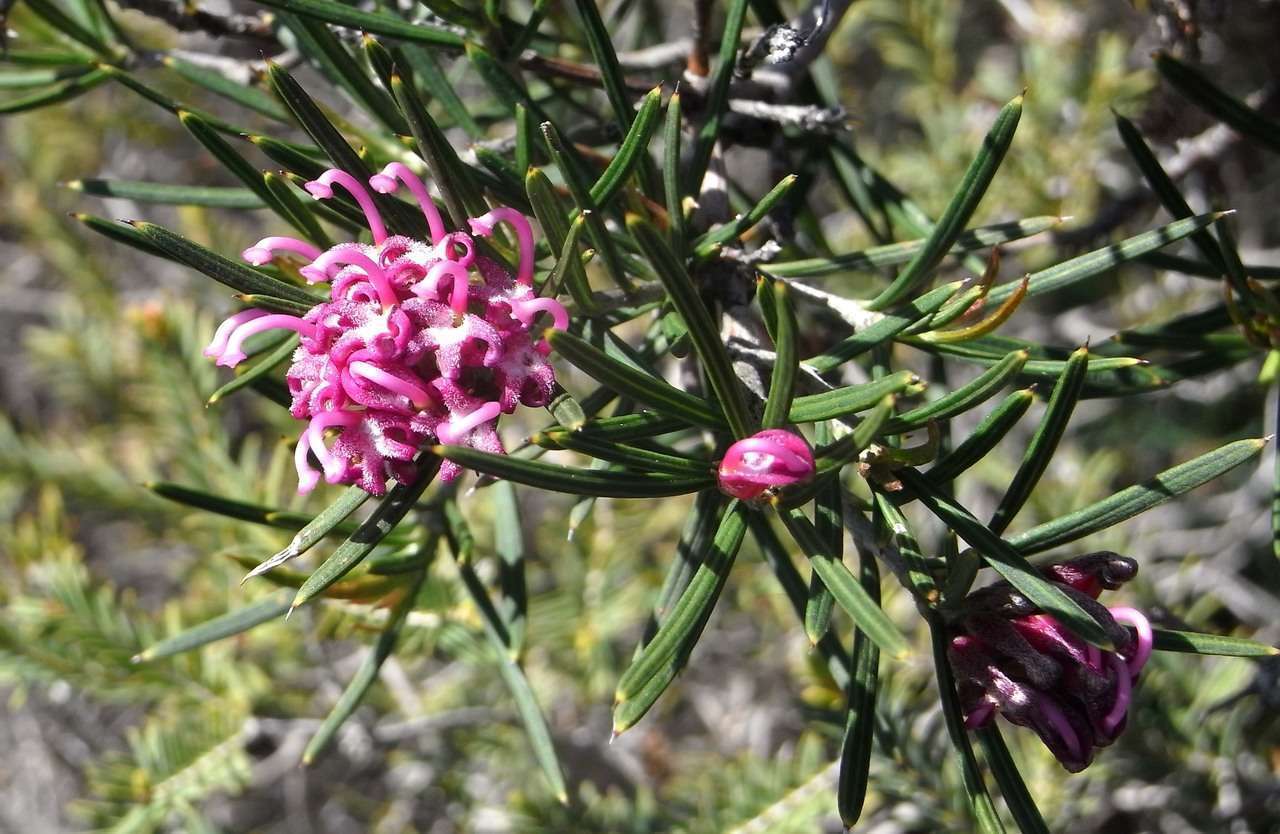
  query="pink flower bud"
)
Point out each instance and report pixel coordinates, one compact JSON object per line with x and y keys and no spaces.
{"x":764,"y":463}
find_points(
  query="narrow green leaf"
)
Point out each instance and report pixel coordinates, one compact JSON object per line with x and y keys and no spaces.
{"x":550,"y":215}
{"x":1006,"y":559}
{"x":860,"y":718}
{"x":671,"y":181}
{"x":461,"y":195}
{"x":55,"y":95}
{"x":508,"y":535}
{"x":238,"y":276}
{"x":121,"y":232}
{"x":229,"y":624}
{"x":1044,"y":442}
{"x":710,"y":243}
{"x":695,"y":539}
{"x":1009,"y":779}
{"x":635,"y":457}
{"x":633,"y":149}
{"x":883,"y":329}
{"x":980,"y":389}
{"x":364,"y":677}
{"x":984,"y":437}
{"x":1168,"y":640}
{"x":830,"y":458}
{"x":956,"y":216}
{"x":703,"y":331}
{"x":1204,"y":94}
{"x":717,"y":95}
{"x":1099,"y":261}
{"x":851,"y":399}
{"x":601,"y":239}
{"x":377,"y":23}
{"x":318,"y":44}
{"x":215,"y":82}
{"x":164,"y":193}
{"x":535,"y":727}
{"x":1136,"y":499}
{"x":892,"y":254}
{"x":623,"y":427}
{"x":325,"y":522}
{"x":1170,"y":197}
{"x":827,"y":523}
{"x":669,"y":650}
{"x":573,"y":480}
{"x":848,"y":592}
{"x":432,"y":79}
{"x":980,"y":804}
{"x":786,"y":361}
{"x":646,"y":388}
{"x":397,"y":503}
{"x":611,"y":76}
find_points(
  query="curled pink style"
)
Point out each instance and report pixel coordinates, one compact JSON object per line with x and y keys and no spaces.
{"x":459,"y":427}
{"x":322,"y":189}
{"x":384,"y":182}
{"x":220,"y":336}
{"x":444,"y":249}
{"x":1146,"y":637}
{"x":233,"y":353}
{"x":483,"y":226}
{"x":526,"y":310}
{"x":459,"y":293}
{"x":264,"y":250}
{"x":418,"y":395}
{"x":340,"y":256}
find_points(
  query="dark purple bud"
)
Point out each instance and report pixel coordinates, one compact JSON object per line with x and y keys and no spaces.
{"x":1094,"y":572}
{"x":1017,"y":657}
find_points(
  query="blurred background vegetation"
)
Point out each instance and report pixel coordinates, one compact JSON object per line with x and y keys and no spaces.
{"x":103,"y":389}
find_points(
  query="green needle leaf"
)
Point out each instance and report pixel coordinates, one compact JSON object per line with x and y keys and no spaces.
{"x":644,"y":387}
{"x":851,"y":399}
{"x":855,"y":747}
{"x":1005,"y":770}
{"x":777,"y":407}
{"x":1044,"y":442}
{"x":238,"y":276}
{"x":1168,"y":640}
{"x":1237,"y":115}
{"x":368,"y":535}
{"x":662,"y":659}
{"x":364,"y":677}
{"x":229,"y":624}
{"x":963,"y":203}
{"x":849,"y":594}
{"x":374,"y":22}
{"x":602,"y":484}
{"x":703,"y":332}
{"x":984,"y":437}
{"x":1136,"y":499}
{"x":983,"y":387}
{"x":166,"y":194}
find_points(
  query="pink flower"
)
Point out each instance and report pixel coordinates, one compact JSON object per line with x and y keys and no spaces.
{"x":420,"y":342}
{"x":1018,"y":662}
{"x":757,"y":466}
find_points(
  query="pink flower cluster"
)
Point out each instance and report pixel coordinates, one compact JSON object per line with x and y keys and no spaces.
{"x":419,"y":342}
{"x":1021,"y":663}
{"x":756,"y":467}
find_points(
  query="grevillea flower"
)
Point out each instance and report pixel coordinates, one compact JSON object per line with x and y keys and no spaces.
{"x":420,"y":341}
{"x":1016,"y":661}
{"x":757,"y":466}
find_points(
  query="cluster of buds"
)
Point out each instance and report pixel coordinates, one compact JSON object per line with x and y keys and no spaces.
{"x":1014,"y":660}
{"x":757,"y":467}
{"x":419,"y":342}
